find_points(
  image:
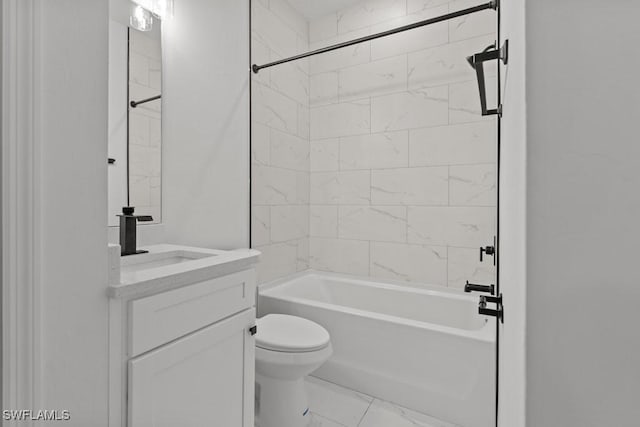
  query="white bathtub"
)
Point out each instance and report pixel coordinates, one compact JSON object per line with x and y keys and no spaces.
{"x":423,"y":348}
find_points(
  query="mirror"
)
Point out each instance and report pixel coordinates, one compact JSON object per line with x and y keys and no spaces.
{"x":135,"y":118}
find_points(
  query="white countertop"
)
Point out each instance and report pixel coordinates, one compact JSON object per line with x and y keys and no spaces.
{"x":136,"y":284}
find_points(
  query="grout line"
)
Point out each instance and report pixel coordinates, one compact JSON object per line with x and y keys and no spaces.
{"x":365,"y":412}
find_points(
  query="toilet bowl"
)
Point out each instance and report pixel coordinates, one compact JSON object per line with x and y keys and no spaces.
{"x":288,"y":348}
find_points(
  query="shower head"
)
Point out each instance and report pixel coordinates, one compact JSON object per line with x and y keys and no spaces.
{"x":471,"y":60}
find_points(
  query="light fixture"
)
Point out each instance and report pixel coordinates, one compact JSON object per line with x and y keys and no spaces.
{"x":161,"y":8}
{"x":141,"y":19}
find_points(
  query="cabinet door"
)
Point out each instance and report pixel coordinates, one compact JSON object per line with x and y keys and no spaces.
{"x":204,"y":379}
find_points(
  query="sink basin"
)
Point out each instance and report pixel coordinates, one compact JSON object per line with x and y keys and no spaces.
{"x":149,"y":261}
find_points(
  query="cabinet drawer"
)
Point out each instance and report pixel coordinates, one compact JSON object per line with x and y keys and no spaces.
{"x":161,"y":318}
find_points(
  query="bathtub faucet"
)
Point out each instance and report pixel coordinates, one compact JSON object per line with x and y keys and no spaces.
{"x":472,"y":287}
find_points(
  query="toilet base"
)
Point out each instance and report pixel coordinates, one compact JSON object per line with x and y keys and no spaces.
{"x":281,"y":403}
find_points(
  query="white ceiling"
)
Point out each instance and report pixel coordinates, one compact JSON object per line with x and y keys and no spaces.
{"x":311,"y":9}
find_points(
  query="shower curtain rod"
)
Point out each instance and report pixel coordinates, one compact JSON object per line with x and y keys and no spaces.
{"x":491,"y":5}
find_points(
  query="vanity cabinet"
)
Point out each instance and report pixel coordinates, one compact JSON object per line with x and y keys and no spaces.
{"x":203,"y":379}
{"x":184,"y":356}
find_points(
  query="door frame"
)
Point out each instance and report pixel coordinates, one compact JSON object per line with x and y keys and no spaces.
{"x":21,"y":237}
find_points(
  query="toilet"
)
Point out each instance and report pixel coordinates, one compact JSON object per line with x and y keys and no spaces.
{"x":288,"y":348}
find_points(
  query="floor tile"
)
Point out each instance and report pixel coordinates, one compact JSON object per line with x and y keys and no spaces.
{"x":385,"y":414}
{"x":335,"y":403}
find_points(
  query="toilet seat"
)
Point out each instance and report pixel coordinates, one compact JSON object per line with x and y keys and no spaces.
{"x":290,"y":334}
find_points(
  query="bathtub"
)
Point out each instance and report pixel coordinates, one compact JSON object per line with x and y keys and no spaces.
{"x":424,"y":348}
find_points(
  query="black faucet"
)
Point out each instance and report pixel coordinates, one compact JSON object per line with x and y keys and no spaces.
{"x":128,"y":222}
{"x":469,"y":287}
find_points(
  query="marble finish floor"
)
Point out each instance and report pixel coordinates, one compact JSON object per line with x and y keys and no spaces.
{"x":335,"y":406}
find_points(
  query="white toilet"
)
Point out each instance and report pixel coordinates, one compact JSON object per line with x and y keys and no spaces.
{"x":288,"y":348}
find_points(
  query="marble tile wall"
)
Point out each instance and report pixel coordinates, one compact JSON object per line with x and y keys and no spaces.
{"x":145,"y":128}
{"x":280,"y":141}
{"x":402,"y":164}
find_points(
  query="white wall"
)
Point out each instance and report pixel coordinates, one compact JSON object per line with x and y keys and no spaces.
{"x":513,"y":216}
{"x":583,"y":206}
{"x":205,"y":131}
{"x":72,"y":132}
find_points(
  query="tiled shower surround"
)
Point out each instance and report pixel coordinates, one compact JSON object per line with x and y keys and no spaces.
{"x":392,"y":172}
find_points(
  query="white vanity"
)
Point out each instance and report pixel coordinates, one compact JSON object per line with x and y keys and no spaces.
{"x":181,"y":337}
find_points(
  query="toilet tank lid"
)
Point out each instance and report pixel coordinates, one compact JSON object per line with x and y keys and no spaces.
{"x":281,"y":332}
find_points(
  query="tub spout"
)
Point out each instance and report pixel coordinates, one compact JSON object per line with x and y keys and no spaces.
{"x":472,"y":287}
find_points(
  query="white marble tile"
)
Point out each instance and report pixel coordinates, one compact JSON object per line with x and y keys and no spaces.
{"x":289,"y":151}
{"x":469,"y":227}
{"x":343,"y":119}
{"x":472,"y":185}
{"x":340,"y":256}
{"x":340,"y":58}
{"x":451,"y":145}
{"x":260,"y":144}
{"x":303,"y":46}
{"x":472,"y":25}
{"x":271,"y":30}
{"x":145,"y":45}
{"x":375,"y":151}
{"x":446,"y":64}
{"x":381,"y":223}
{"x":365,"y":14}
{"x":416,"y":263}
{"x":139,"y":69}
{"x":290,"y":16}
{"x":291,"y":81}
{"x":417,"y":6}
{"x":409,"y":110}
{"x":260,"y":54}
{"x":323,"y":28}
{"x":139,"y":191}
{"x":303,"y":254}
{"x":374,"y":78}
{"x":413,"y":40}
{"x":138,"y":92}
{"x":346,"y":188}
{"x":464,"y":264}
{"x":144,"y":161}
{"x":277,"y":260}
{"x":339,"y":404}
{"x":304,"y":121}
{"x":155,"y":191}
{"x":385,"y":414}
{"x":138,"y":129}
{"x":323,"y":88}
{"x":325,"y":155}
{"x":323,"y":221}
{"x":277,"y":186}
{"x":410,"y":186}
{"x":289,"y":222}
{"x":260,"y":225}
{"x":155,"y":132}
{"x":464,"y":101}
{"x":155,"y":74}
{"x":273,"y":109}
{"x":320,"y":421}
